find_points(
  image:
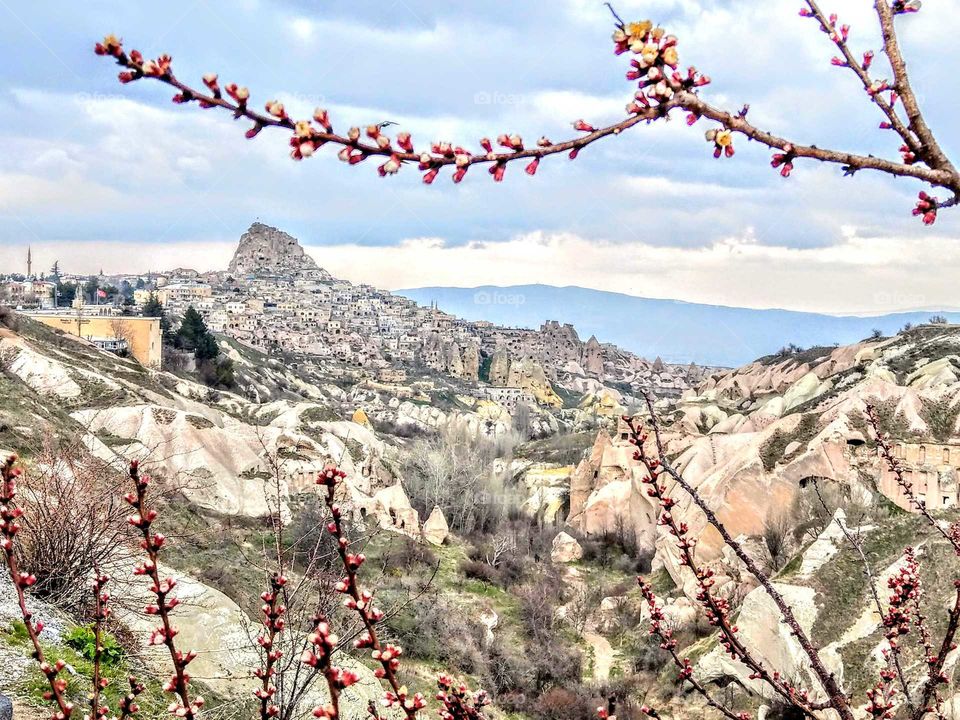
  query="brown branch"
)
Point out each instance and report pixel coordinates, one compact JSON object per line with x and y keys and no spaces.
{"x":871,"y":87}
{"x":935,"y":663}
{"x":871,"y":584}
{"x":10,"y":516}
{"x":662,"y":89}
{"x":361,"y":602}
{"x":669,"y":644}
{"x":273,"y":622}
{"x":101,"y":612}
{"x":932,"y":154}
{"x":850,"y":162}
{"x":162,"y":589}
{"x":838,"y":700}
{"x":717,"y":609}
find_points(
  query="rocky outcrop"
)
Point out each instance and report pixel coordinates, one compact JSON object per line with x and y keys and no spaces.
{"x":435,"y":529}
{"x":220,"y":464}
{"x":499,"y":372}
{"x":392,"y":510}
{"x":265,"y":250}
{"x":565,"y":549}
{"x":547,"y":488}
{"x":471,"y":362}
{"x":772,"y":642}
{"x":592,"y":358}
{"x":530,"y":376}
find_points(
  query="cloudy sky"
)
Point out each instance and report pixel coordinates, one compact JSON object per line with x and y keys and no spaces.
{"x":96,"y":174}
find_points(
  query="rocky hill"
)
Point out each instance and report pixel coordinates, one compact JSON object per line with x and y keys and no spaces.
{"x":780,"y":448}
{"x":266,"y":251}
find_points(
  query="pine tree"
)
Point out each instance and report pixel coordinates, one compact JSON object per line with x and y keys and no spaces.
{"x":192,"y":329}
{"x":152,"y":307}
{"x":206,"y":347}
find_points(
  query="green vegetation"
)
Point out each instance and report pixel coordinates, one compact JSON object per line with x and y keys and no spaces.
{"x":562,"y":449}
{"x":774,"y":449}
{"x":841,"y":584}
{"x":798,"y":354}
{"x":320,"y":414}
{"x":940,"y":417}
{"x":193,"y":336}
{"x":34,"y":685}
{"x":83,"y":639}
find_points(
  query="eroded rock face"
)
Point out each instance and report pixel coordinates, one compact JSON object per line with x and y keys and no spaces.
{"x":772,"y":642}
{"x":592,"y":357}
{"x":221,"y":464}
{"x":265,"y":250}
{"x":223,"y":637}
{"x":547,"y":487}
{"x":565,"y":549}
{"x":435,"y":529}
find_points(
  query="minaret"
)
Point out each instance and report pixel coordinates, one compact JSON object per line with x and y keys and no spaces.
{"x":29,"y":262}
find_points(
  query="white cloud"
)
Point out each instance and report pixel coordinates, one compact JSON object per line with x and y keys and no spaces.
{"x":858,"y":275}
{"x":20,"y":193}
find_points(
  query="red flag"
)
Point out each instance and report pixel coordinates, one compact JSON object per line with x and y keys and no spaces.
{"x":101,"y":293}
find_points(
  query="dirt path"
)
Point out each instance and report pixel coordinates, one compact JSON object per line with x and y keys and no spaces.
{"x":603,"y":655}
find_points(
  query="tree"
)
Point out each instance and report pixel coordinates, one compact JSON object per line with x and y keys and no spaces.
{"x":192,"y":330}
{"x":152,"y":307}
{"x":66,"y":292}
{"x":122,"y":330}
{"x":206,"y":347}
{"x":662,"y":90}
{"x":90,"y":288}
{"x":938,"y":320}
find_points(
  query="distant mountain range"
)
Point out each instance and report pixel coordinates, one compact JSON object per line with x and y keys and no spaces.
{"x":676,"y":331}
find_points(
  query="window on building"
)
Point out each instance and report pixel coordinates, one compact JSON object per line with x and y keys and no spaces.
{"x":923,"y":454}
{"x":946,"y":456}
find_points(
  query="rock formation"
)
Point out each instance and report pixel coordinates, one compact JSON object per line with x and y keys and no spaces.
{"x":435,"y":529}
{"x":265,"y":250}
{"x":592,"y":358}
{"x":565,"y":549}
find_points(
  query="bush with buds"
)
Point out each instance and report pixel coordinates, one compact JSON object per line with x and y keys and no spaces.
{"x":662,"y":88}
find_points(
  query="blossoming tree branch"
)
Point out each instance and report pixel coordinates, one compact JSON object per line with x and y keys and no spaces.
{"x":662,"y":89}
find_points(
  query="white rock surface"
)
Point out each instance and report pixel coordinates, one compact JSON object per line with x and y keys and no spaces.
{"x":435,"y":529}
{"x":565,"y":549}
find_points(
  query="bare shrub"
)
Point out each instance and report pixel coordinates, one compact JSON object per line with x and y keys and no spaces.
{"x":777,"y":535}
{"x":74,"y":521}
{"x":453,"y":470}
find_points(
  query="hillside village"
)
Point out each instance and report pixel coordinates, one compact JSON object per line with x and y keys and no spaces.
{"x":275,"y":298}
